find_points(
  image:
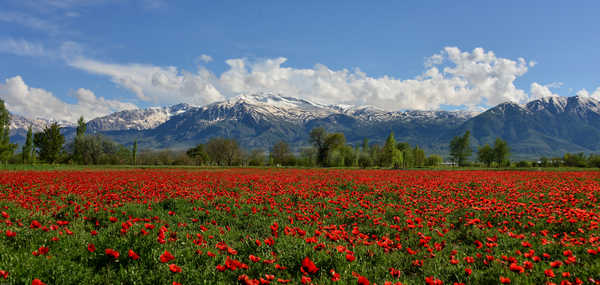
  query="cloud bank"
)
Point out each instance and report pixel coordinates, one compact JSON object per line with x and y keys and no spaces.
{"x":34,"y":102}
{"x":585,"y":93}
{"x":454,"y":78}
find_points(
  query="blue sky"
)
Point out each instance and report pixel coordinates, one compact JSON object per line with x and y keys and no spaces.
{"x":63,"y":58}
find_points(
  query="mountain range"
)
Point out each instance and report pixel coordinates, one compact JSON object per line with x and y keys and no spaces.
{"x":549,"y":126}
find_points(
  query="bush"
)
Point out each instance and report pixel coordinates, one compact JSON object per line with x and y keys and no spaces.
{"x":523,"y":163}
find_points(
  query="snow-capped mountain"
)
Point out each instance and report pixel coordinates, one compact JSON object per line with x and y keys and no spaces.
{"x":267,"y":105}
{"x":136,"y":119}
{"x":37,"y":124}
{"x":262,"y":106}
{"x":547,"y":126}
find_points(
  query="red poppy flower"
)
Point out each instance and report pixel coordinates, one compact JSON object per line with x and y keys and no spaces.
{"x":350,"y":257}
{"x":174,"y":268}
{"x":309,"y":266}
{"x":91,"y":247}
{"x":363,"y":280}
{"x":334,"y":275}
{"x":516,"y":268}
{"x":37,"y":282}
{"x":166,"y":257}
{"x":3,"y":274}
{"x":133,"y":255}
{"x":112,"y":252}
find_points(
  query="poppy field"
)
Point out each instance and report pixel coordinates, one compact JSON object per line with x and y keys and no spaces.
{"x":299,"y":226}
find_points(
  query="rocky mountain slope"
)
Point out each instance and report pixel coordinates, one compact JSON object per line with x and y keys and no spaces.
{"x":547,"y":126}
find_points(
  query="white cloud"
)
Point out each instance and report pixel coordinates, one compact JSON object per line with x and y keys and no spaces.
{"x":585,"y":93}
{"x":538,"y":91}
{"x":22,"y":48}
{"x":205,"y":58}
{"x":34,"y":102}
{"x":28,"y":21}
{"x":454,"y":78}
{"x":159,"y":85}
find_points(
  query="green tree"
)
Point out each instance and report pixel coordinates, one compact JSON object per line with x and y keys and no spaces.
{"x":198,"y":154}
{"x":326,"y":144}
{"x":281,"y":154}
{"x":27,"y":149}
{"x":256,"y":157}
{"x":49,"y":143}
{"x":460,"y":148}
{"x":81,"y":126}
{"x":389,"y":151}
{"x":485,"y":154}
{"x":501,"y":152}
{"x":418,"y":156}
{"x":6,"y":148}
{"x":406,"y":154}
{"x":222,"y":151}
{"x":134,"y":153}
{"x":365,"y":145}
{"x":433,"y":160}
{"x":317,"y":139}
{"x":308,"y":156}
{"x":78,"y":141}
{"x":593,"y":160}
{"x":575,"y":159}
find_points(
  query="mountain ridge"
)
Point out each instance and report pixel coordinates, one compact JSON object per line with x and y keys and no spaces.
{"x":546,"y":126}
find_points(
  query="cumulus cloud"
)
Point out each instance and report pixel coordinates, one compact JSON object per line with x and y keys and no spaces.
{"x":205,"y":58}
{"x":158,"y":85}
{"x":453,"y":77}
{"x":538,"y":91}
{"x":585,"y":93}
{"x":34,"y":102}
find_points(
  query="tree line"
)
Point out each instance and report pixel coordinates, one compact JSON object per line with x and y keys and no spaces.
{"x":326,"y":150}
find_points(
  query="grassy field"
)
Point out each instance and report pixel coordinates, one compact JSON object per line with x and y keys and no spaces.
{"x":223,"y":226}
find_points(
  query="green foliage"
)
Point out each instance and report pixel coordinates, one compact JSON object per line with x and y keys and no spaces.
{"x":389,"y":152}
{"x":27,"y":154}
{"x":49,"y":143}
{"x":317,"y":139}
{"x":594,"y":160}
{"x":282,"y":155}
{"x":485,"y":155}
{"x":98,"y":149}
{"x":81,"y":126}
{"x":523,"y":163}
{"x":433,"y":160}
{"x":418,"y":156}
{"x":460,"y":148}
{"x":6,"y":148}
{"x":134,"y":153}
{"x":78,"y":142}
{"x":327,"y":146}
{"x":308,"y":157}
{"x":198,"y":154}
{"x":365,"y":160}
{"x":576,"y":159}
{"x":501,"y":152}
{"x":223,"y":151}
{"x":256,"y":157}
